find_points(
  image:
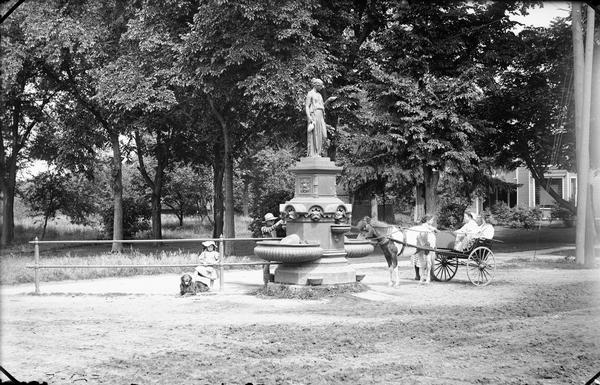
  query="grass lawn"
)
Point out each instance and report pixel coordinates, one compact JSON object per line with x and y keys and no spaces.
{"x":14,"y":260}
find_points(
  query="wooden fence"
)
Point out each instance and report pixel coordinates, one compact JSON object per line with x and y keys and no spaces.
{"x":221,"y":264}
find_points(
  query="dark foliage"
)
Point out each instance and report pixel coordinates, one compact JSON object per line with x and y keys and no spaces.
{"x":136,"y":216}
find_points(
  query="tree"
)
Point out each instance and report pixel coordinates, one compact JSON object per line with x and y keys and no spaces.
{"x":188,"y":190}
{"x":25,"y":96}
{"x":424,"y":75}
{"x":82,"y":39}
{"x":532,"y":107}
{"x":52,"y":191}
{"x":250,"y":61}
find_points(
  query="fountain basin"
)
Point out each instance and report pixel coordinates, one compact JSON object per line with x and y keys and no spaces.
{"x":288,"y":253}
{"x":340,"y":229}
{"x":358,"y":248}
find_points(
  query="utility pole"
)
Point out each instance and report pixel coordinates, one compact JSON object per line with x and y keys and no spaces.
{"x":583,"y":64}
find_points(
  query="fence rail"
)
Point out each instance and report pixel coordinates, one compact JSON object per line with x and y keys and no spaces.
{"x":221,"y":264}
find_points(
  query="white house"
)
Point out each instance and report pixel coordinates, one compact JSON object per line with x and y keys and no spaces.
{"x":521,"y":189}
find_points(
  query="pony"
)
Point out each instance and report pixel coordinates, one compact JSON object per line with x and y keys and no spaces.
{"x":401,"y":242}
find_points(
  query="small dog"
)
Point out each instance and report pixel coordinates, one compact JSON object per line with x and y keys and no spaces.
{"x":190,"y":287}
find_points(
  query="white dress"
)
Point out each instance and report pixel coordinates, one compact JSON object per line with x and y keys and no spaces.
{"x":414,"y":259}
{"x":205,"y":274}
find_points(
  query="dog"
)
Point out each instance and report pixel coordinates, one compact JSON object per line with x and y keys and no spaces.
{"x":190,"y":287}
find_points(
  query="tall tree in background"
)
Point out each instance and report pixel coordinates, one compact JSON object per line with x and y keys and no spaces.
{"x":25,"y":95}
{"x":532,"y":107}
{"x":83,"y":39}
{"x":249,"y":60}
{"x":425,"y":74}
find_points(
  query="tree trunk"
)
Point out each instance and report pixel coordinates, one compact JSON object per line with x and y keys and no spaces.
{"x":419,"y":202}
{"x":229,"y":218}
{"x":431,"y":179}
{"x":245,"y":203}
{"x":117,"y":185}
{"x":538,"y":176}
{"x":156,"y":214}
{"x":45,"y":226}
{"x":218,"y":197}
{"x":229,"y":215}
{"x":8,"y":216}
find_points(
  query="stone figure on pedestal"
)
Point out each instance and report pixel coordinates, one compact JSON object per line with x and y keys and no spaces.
{"x":315,"y":114}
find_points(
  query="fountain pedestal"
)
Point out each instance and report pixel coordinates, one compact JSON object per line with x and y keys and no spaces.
{"x":319,"y":219}
{"x":316,"y":214}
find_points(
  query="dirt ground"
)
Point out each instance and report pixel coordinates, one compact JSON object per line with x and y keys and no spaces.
{"x":537,"y":323}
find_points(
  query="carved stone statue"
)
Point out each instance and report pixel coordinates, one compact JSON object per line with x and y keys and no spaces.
{"x":315,"y":113}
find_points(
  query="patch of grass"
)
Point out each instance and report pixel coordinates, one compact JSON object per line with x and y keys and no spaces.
{"x":566,"y":263}
{"x":13,"y":269}
{"x":27,"y":228}
{"x":309,"y":292}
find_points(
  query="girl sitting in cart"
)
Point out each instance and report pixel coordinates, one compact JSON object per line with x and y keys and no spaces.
{"x":467,"y":233}
{"x":205,"y":272}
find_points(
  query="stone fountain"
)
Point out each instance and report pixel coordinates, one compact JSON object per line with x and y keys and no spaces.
{"x":316,"y":218}
{"x":319,"y":219}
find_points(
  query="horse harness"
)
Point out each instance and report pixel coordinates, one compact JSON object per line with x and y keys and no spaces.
{"x":386,"y":239}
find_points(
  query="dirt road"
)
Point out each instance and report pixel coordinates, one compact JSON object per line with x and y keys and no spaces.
{"x":537,"y":323}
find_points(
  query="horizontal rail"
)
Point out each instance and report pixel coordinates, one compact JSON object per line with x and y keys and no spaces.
{"x":101,"y":241}
{"x":148,"y":266}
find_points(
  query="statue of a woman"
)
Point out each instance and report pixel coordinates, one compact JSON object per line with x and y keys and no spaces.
{"x":315,"y":113}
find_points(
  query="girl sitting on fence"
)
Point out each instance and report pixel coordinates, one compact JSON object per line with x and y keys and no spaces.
{"x":210,"y":255}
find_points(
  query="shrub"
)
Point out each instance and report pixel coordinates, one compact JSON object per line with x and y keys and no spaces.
{"x":502,"y":213}
{"x":563,"y":214}
{"x":451,"y":215}
{"x":136,"y":217}
{"x":517,"y":217}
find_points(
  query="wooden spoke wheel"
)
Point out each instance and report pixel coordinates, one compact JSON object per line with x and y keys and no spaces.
{"x":444,"y":267}
{"x":481,"y":266}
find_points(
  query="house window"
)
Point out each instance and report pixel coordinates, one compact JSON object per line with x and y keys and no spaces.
{"x":573,"y":195}
{"x":542,"y":198}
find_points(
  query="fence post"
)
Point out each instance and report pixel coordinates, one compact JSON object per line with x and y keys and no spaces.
{"x":36,"y":271}
{"x":221,"y":257}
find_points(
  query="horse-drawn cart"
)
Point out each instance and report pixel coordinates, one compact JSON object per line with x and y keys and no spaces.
{"x":479,"y":260}
{"x":478,"y":256}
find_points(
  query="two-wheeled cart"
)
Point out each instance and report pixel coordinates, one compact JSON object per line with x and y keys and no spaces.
{"x":479,"y":260}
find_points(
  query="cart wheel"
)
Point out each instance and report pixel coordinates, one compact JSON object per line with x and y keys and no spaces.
{"x":481,"y":266}
{"x":444,"y":268}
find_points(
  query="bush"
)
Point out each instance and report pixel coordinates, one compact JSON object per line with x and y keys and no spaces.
{"x":451,"y":215}
{"x":502,"y":213}
{"x":268,"y":204}
{"x":517,"y":217}
{"x":562,"y":214}
{"x":136,"y":217}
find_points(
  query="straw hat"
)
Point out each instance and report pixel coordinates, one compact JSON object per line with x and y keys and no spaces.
{"x":209,"y":243}
{"x":270,"y":217}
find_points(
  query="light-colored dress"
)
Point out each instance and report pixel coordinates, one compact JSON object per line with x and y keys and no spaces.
{"x":486,"y":231}
{"x":465,"y":235}
{"x":416,"y":258}
{"x":206,"y":274}
{"x":316,"y":131}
